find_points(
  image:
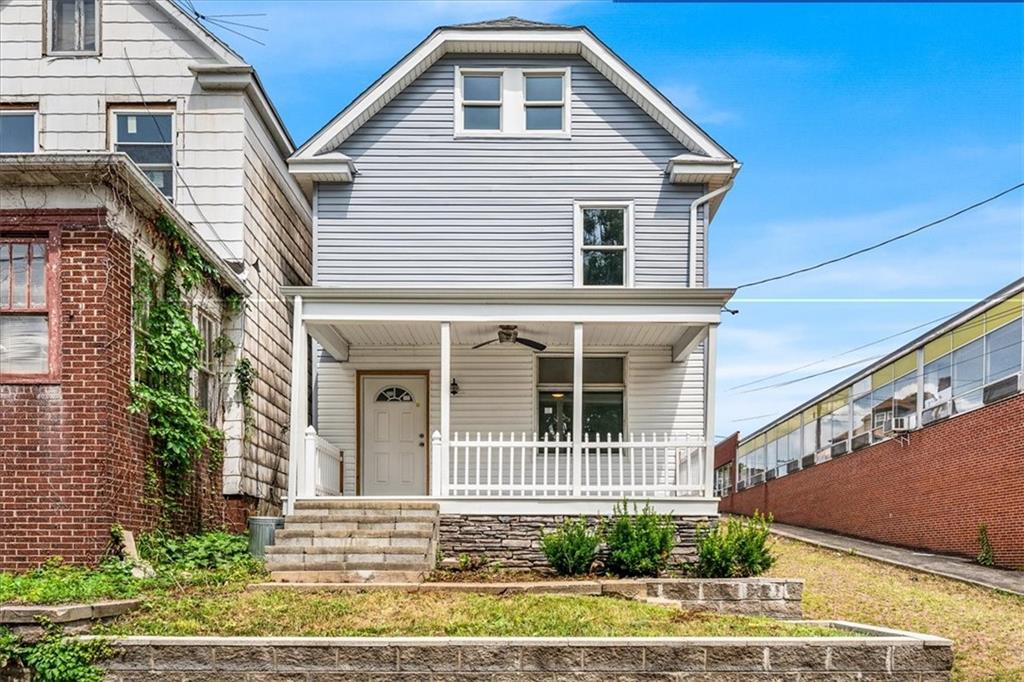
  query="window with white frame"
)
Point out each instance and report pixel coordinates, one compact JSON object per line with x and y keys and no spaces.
{"x":206,"y":373}
{"x":603,"y":397}
{"x":723,"y":480}
{"x":481,"y":101}
{"x":73,"y":27}
{"x":147,"y":137}
{"x":512,"y":102}
{"x":603,"y":233}
{"x":17,"y":131}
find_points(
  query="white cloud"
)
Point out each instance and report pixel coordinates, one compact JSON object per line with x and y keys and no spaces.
{"x":694,"y":104}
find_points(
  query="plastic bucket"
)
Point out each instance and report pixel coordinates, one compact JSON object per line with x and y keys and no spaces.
{"x":261,"y":533}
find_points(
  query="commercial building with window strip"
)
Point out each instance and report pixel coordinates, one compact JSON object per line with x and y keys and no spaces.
{"x":942,"y":402}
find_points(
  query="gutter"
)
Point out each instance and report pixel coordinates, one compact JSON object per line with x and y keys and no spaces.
{"x":697,"y":203}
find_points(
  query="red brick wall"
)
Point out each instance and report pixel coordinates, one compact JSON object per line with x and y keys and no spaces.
{"x":931,"y":493}
{"x":72,"y":458}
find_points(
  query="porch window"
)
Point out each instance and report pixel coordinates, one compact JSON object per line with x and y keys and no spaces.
{"x":17,"y":131}
{"x":27,"y":308}
{"x":148,"y":139}
{"x":603,"y":235}
{"x":74,"y":26}
{"x":603,"y":388}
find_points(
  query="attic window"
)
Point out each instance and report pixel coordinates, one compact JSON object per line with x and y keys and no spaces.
{"x":511,"y":102}
{"x":74,"y":27}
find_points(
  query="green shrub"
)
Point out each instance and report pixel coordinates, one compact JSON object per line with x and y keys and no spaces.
{"x":216,"y":549}
{"x":639,"y":544}
{"x":56,"y":658}
{"x":572,"y":547}
{"x":11,"y":649}
{"x":737,"y":548}
{"x":986,"y":555}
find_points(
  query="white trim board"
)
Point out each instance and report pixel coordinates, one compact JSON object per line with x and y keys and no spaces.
{"x":552,"y":506}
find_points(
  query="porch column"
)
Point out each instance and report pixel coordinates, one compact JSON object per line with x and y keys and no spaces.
{"x":710,"y":352}
{"x":577,"y":407}
{"x":446,"y":404}
{"x":298,"y":419}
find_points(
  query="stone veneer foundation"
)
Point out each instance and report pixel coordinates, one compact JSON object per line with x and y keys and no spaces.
{"x":883,"y":654}
{"x":514,"y":541}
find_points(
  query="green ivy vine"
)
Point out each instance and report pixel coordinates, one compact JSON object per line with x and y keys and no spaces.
{"x":245,"y":378}
{"x":168,"y":352}
{"x":55,"y":657}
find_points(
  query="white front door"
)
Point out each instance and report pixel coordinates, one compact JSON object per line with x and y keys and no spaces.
{"x":394,"y":436}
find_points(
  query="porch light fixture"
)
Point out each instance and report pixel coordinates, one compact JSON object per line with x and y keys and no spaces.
{"x":557,"y":396}
{"x":454,"y":388}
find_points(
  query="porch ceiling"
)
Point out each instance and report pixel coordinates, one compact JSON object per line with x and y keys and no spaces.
{"x":552,"y":334}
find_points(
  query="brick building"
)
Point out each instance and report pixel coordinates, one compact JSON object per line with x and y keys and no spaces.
{"x":72,"y":455}
{"x":919,"y":449}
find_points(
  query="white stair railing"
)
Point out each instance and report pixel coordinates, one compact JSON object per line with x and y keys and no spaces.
{"x":320,"y":473}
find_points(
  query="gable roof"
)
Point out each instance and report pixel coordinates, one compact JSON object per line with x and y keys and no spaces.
{"x":508,"y":35}
{"x":233,"y":61}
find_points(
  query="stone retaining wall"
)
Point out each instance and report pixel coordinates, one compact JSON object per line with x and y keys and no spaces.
{"x":25,"y":620}
{"x":889,"y":655}
{"x":515,"y":540}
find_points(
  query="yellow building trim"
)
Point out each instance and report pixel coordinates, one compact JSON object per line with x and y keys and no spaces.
{"x":969,"y":331}
{"x":938,"y":347}
{"x":882,"y":376}
{"x":905,"y":365}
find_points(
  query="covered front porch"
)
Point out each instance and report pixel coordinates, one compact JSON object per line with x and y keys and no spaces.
{"x":469,"y":397}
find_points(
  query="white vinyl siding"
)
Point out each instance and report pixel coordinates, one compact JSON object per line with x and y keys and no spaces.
{"x":497,"y":392}
{"x":429,"y":208}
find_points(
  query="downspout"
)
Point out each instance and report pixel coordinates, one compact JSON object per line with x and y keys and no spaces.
{"x":697,"y":203}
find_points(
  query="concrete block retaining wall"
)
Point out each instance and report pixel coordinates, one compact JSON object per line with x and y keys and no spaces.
{"x":515,"y":540}
{"x":888,"y":655}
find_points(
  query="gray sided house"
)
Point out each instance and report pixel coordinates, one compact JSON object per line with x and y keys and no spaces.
{"x":509,"y":314}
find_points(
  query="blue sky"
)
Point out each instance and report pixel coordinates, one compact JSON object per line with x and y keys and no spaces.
{"x":853,"y":121}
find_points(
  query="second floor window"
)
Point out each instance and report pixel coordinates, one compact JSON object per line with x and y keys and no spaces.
{"x":148,"y":139}
{"x":74,"y":25}
{"x":512,"y":102}
{"x":602,"y":245}
{"x":17,"y":131}
{"x":544,"y":101}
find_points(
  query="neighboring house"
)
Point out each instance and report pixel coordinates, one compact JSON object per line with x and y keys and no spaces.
{"x":509,"y":297}
{"x":920,"y":448}
{"x":122,"y":90}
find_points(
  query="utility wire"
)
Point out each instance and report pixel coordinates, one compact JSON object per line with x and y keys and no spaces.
{"x":880,"y":244}
{"x":811,"y":376}
{"x":838,"y":355}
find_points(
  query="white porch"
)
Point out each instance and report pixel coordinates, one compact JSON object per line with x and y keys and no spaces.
{"x":492,"y":442}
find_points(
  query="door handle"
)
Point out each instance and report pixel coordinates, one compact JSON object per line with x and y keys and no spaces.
{"x":422,"y":444}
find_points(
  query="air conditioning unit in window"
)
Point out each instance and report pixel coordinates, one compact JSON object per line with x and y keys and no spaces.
{"x":901,"y":424}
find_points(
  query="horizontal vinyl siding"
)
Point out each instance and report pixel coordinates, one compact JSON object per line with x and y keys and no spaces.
{"x":428,"y":208}
{"x":497,"y":392}
{"x":74,"y":94}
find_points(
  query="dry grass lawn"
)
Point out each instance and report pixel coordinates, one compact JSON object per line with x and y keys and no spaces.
{"x":234,"y":611}
{"x":987,"y":627}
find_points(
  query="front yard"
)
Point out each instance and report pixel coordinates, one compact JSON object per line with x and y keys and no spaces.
{"x":237,"y":612}
{"x":987,"y":627}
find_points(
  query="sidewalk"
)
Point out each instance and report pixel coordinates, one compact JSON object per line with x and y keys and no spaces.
{"x":937,"y":564}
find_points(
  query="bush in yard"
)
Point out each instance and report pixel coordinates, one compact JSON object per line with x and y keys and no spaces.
{"x":639,"y":544}
{"x":737,"y":548}
{"x":216,"y":549}
{"x":987,"y":555}
{"x":572,"y":547}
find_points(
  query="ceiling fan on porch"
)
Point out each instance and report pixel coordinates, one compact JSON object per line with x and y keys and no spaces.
{"x":509,"y":333}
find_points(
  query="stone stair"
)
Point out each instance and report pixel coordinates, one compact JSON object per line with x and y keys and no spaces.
{"x":355,"y":540}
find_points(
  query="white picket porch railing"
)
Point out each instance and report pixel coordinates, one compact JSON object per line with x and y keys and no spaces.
{"x":521,"y":465}
{"x":320,"y":473}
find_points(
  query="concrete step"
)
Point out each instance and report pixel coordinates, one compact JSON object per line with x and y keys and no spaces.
{"x":356,"y":533}
{"x":363,"y":512}
{"x":341,"y":541}
{"x":348,"y":576}
{"x":275,"y":550}
{"x":363,"y":504}
{"x":353,"y":562}
{"x":346,"y":516}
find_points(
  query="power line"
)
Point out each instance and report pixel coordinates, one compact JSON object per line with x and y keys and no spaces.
{"x":880,"y":244}
{"x":812,"y":376}
{"x":838,"y":355}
